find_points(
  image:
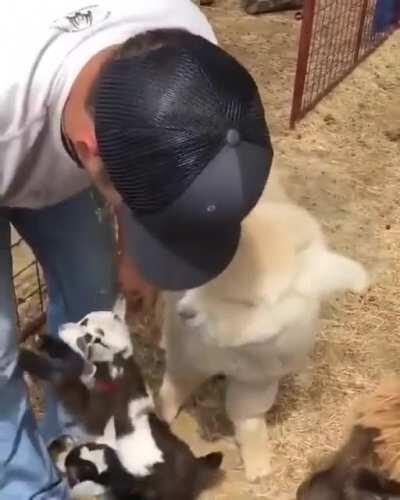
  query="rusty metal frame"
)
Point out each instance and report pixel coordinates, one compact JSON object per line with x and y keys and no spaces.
{"x":302,"y":59}
{"x":361,"y":42}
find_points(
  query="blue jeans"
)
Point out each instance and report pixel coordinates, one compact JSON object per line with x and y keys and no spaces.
{"x":75,"y":245}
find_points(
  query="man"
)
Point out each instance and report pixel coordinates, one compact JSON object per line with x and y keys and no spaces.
{"x":135,"y":97}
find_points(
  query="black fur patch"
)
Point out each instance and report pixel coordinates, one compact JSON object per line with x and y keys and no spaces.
{"x":62,"y":363}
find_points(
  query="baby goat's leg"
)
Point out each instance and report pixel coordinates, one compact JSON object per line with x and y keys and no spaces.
{"x":246,"y":405}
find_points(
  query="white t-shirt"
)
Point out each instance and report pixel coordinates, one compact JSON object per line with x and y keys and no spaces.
{"x":44,"y":44}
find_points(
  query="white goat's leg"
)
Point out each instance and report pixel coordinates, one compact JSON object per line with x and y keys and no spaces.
{"x":246,"y":405}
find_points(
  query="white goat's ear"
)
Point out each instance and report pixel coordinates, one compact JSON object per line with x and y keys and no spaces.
{"x":69,"y":326}
{"x":120,"y":307}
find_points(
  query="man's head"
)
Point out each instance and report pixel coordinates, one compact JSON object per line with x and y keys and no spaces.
{"x":178,"y":129}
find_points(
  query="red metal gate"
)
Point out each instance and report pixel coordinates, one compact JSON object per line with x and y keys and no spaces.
{"x":336,"y":35}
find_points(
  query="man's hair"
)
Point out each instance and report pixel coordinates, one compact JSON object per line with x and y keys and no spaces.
{"x":138,"y":45}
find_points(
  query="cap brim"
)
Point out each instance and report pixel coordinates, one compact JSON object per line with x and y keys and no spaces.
{"x":183,"y":262}
{"x":195,"y":238}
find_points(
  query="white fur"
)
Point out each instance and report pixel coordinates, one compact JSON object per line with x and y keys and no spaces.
{"x":96,"y":457}
{"x":87,"y":489}
{"x":108,"y":438}
{"x":138,"y":451}
{"x":257,"y":321}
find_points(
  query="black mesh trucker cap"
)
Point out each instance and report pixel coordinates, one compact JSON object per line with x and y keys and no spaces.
{"x":182,"y":134}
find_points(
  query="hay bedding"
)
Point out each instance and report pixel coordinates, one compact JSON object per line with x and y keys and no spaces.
{"x":342,"y":163}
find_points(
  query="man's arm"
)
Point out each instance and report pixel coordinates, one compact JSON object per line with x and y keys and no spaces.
{"x":133,"y":285}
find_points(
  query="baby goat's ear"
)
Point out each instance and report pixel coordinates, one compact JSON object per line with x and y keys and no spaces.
{"x":375,"y":486}
{"x":120,"y":307}
{"x":208,"y":470}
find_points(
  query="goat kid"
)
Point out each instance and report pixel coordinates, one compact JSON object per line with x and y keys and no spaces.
{"x":94,"y":372}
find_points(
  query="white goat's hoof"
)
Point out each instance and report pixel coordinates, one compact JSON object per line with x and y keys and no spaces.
{"x":257,"y":463}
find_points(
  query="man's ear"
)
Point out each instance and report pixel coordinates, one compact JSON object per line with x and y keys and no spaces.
{"x":89,"y":157}
{"x":85,"y":150}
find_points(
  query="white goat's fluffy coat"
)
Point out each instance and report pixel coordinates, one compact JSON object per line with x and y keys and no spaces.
{"x":257,"y":321}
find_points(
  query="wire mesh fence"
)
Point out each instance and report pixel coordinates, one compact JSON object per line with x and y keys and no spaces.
{"x":336,"y":35}
{"x":30,"y":292}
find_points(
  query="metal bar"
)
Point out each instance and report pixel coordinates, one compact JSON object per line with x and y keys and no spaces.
{"x":302,"y":60}
{"x":17,"y":243}
{"x":24,"y":269}
{"x":361,"y":26}
{"x":37,"y":291}
{"x":32,"y":326}
{"x":335,"y":37}
{"x":40,"y":286}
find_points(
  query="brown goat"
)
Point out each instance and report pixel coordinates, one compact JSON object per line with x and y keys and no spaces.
{"x":367,"y":466}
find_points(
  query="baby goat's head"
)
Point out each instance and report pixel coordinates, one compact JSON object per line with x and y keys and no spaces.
{"x":93,"y":466}
{"x":100,"y":337}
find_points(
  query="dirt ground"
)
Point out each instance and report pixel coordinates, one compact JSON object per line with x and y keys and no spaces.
{"x":341,"y":162}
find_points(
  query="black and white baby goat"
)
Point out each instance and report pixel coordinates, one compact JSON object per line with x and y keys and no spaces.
{"x":94,"y":372}
{"x":99,"y":464}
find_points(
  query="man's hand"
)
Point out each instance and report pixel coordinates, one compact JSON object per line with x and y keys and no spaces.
{"x":142,"y":300}
{"x":141,"y":296}
{"x":136,"y":290}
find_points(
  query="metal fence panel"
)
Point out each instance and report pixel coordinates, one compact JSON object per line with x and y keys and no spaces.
{"x":29,"y":287}
{"x":336,"y":35}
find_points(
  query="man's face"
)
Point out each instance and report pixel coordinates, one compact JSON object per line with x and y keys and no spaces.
{"x":85,"y":148}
